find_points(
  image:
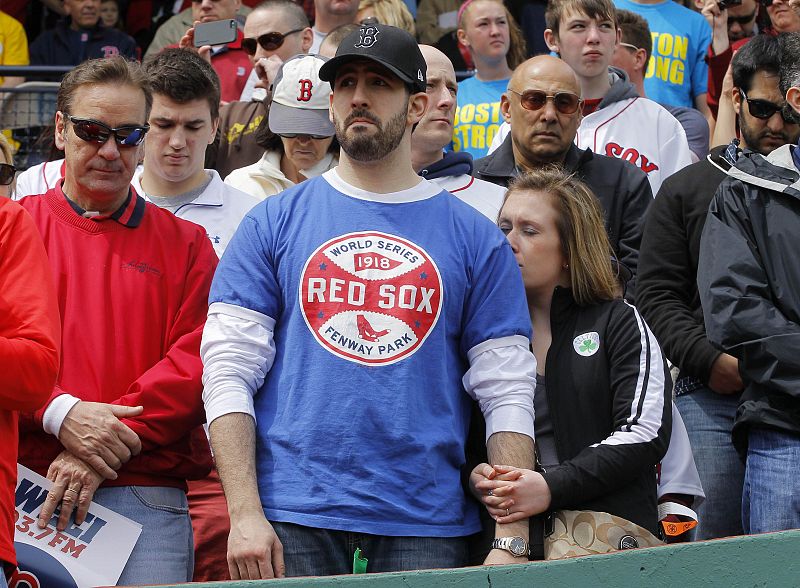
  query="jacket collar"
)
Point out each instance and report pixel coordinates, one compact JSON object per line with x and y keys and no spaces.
{"x":775,"y":172}
{"x":501,"y":163}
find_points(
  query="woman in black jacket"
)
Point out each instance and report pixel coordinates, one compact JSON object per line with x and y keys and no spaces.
{"x":602,"y":401}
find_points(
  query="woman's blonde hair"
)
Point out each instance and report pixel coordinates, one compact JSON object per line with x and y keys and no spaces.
{"x":6,"y":149}
{"x":517,"y":48}
{"x":584,"y":242}
{"x":391,"y":12}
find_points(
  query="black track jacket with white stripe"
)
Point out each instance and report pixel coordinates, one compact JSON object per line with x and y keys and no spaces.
{"x":609,"y":392}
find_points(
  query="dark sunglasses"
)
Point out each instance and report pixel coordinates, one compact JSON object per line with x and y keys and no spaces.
{"x":7,"y":173}
{"x":764,"y":109}
{"x":268,"y":41}
{"x":295,"y":135}
{"x":565,"y":102}
{"x":93,"y":131}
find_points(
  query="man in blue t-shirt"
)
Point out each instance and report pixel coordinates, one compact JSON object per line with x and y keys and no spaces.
{"x":352,"y":320}
{"x":677,"y":74}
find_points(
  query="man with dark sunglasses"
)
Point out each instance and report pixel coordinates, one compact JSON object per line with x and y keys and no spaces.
{"x":585,"y":34}
{"x":542,"y":107}
{"x":709,"y":385}
{"x":122,"y":425}
{"x":732,"y":30}
{"x":749,"y":283}
{"x":275,"y":31}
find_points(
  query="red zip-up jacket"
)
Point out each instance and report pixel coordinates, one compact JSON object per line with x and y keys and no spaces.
{"x":133,"y":300}
{"x":29,"y":345}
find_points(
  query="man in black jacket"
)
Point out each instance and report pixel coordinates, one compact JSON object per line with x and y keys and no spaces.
{"x":749,"y":282}
{"x":545,"y":135}
{"x":709,"y":386}
{"x":80,"y":36}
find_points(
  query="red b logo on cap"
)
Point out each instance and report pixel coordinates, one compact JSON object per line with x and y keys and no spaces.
{"x":305,"y":91}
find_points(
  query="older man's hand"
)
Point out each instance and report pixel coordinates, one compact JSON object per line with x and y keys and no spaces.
{"x":74,"y":485}
{"x":93,"y":432}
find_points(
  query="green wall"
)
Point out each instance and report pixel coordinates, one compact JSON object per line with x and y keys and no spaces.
{"x":759,"y":560}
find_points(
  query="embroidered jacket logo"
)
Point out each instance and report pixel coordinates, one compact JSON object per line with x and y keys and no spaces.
{"x":586,"y":344}
{"x":370,"y":297}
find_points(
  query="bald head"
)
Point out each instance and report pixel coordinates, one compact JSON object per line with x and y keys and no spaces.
{"x":545,"y":68}
{"x":542,"y":127}
{"x":436,"y":59}
{"x":435,"y":130}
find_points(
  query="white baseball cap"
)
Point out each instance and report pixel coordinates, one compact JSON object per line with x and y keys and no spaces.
{"x":300,"y":99}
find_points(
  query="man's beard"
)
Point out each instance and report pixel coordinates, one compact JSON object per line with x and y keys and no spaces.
{"x":753,"y":139}
{"x":370,"y":147}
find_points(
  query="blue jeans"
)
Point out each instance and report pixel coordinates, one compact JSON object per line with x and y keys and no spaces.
{"x":164,"y":553}
{"x":708,"y":417}
{"x":771,"y":499}
{"x":3,"y":581}
{"x":320,"y":552}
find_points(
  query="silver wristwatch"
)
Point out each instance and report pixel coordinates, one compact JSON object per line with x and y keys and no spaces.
{"x":516,"y":546}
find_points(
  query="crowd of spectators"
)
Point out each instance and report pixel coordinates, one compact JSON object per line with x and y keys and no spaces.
{"x":439,"y":280}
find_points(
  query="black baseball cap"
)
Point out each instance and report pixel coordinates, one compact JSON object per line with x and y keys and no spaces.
{"x":390,"y":46}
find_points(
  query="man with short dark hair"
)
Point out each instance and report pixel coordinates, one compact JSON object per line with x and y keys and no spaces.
{"x":748,"y":279}
{"x":543,"y":133}
{"x":80,"y":36}
{"x":709,"y":386}
{"x":392,"y":298}
{"x":122,"y":425}
{"x":183,"y":122}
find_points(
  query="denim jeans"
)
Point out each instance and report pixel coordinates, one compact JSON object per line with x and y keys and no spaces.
{"x":164,"y":553}
{"x":708,"y":417}
{"x":320,"y":552}
{"x":771,"y":498}
{"x":3,"y":582}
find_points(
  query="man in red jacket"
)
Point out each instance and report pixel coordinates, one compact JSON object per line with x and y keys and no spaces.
{"x":122,"y":424}
{"x":29,"y":344}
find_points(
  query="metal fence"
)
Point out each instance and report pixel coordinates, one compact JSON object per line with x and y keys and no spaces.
{"x":27,"y":112}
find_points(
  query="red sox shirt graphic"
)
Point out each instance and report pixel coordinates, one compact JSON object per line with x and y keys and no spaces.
{"x":370,"y":297}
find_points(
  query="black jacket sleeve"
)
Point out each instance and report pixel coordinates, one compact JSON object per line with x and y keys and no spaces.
{"x":667,"y":287}
{"x":637,"y":198}
{"x":642,"y":415}
{"x":735,"y":291}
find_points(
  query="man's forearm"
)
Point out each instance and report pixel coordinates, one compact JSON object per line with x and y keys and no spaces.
{"x":233,"y":441}
{"x":512,"y":449}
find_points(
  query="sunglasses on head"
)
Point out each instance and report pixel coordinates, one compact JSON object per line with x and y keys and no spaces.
{"x":295,"y":135}
{"x":7,"y":173}
{"x":93,"y":131}
{"x":764,"y":109}
{"x":565,"y":102}
{"x":268,"y":41}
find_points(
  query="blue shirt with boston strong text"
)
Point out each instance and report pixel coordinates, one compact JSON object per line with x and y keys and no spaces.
{"x":362,"y":419}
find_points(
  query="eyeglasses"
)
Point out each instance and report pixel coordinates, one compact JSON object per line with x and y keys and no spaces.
{"x":565,"y":102}
{"x":295,"y":135}
{"x":764,"y":109}
{"x":268,"y":41}
{"x":7,"y":173}
{"x":93,"y":131}
{"x":634,"y":47}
